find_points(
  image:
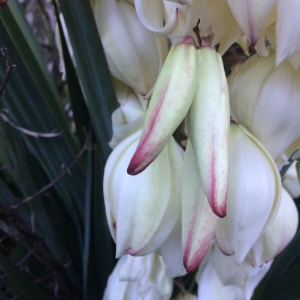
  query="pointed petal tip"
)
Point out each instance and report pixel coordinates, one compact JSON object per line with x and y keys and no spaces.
{"x":221,"y":212}
{"x":135,"y":168}
{"x":192,"y":265}
{"x":131,"y":170}
{"x":131,"y":251}
{"x":192,"y":261}
{"x":188,"y":40}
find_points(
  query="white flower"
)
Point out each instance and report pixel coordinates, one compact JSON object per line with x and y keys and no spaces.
{"x":221,"y":278}
{"x":278,"y":234}
{"x":129,"y":117}
{"x":176,"y":19}
{"x":134,"y":54}
{"x":253,"y":195}
{"x":140,"y":278}
{"x":198,"y":220}
{"x":266,"y":100}
{"x":142,"y":211}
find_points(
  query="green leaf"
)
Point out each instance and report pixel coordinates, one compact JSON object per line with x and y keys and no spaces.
{"x":52,"y":222}
{"x":80,"y":112}
{"x":17,"y":27}
{"x":28,"y":109}
{"x":98,"y":260}
{"x":92,"y":69}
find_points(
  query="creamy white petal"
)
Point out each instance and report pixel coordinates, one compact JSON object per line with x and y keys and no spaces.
{"x":208,"y":123}
{"x":135,"y":55}
{"x":139,"y":278}
{"x":171,"y":252}
{"x":267,"y":101}
{"x":287,"y":29}
{"x":252,"y":16}
{"x":142,"y":211}
{"x":198,"y":220}
{"x":253,"y":195}
{"x":279,"y":233}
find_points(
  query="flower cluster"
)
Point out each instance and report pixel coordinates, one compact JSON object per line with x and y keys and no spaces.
{"x":217,"y":204}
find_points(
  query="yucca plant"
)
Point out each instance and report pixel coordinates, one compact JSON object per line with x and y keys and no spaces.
{"x":54,"y":238}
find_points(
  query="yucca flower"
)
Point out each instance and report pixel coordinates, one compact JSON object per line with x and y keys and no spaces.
{"x":278,"y":234}
{"x":135,"y":55}
{"x":143,"y":277}
{"x":219,"y":277}
{"x":187,"y":86}
{"x":253,"y":196}
{"x":265,"y":100}
{"x":142,"y":211}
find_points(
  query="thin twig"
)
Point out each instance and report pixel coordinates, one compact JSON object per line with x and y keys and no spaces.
{"x":55,"y":181}
{"x":13,"y":226}
{"x":9,"y":67}
{"x":6,"y":118}
{"x":23,"y":259}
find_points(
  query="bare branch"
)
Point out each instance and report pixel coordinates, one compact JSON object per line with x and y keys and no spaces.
{"x":55,"y":181}
{"x":6,"y":118}
{"x":9,"y":67}
{"x":23,"y":259}
{"x":14,"y":227}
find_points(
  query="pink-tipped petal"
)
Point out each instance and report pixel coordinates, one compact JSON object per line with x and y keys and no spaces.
{"x":198,"y":220}
{"x":208,"y":127}
{"x":171,"y":99}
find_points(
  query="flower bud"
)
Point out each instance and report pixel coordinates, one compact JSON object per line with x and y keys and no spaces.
{"x":208,"y":123}
{"x":198,"y":220}
{"x":170,"y":101}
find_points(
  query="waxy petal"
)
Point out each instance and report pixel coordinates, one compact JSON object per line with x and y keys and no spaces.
{"x":139,"y":278}
{"x":279,"y":233}
{"x":220,"y":278}
{"x":156,"y":201}
{"x":198,"y":220}
{"x":171,"y":252}
{"x":153,"y":16}
{"x":176,"y":19}
{"x":171,"y":99}
{"x":252,"y":16}
{"x":208,"y":123}
{"x":287,"y":29}
{"x":253,"y":195}
{"x":266,"y":100}
{"x":142,"y":211}
{"x":134,"y":54}
{"x":210,"y":286}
